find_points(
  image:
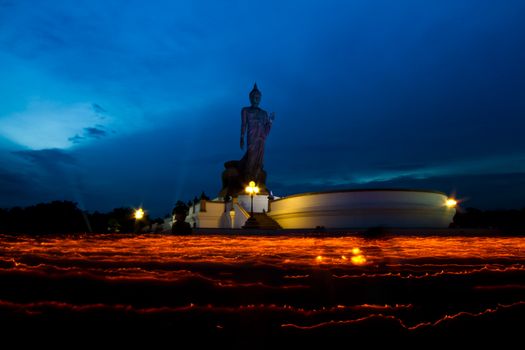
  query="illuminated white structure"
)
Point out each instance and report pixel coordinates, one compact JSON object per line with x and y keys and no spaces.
{"x":363,"y":208}
{"x":333,"y":209}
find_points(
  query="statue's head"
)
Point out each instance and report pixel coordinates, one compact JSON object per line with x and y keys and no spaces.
{"x":255,"y":96}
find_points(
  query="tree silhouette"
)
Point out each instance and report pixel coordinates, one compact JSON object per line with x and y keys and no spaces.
{"x":45,"y":218}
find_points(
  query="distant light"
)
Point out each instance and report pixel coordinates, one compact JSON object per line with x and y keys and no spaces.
{"x":343,"y":257}
{"x":356,"y":251}
{"x":139,"y":214}
{"x":451,"y":203}
{"x":319,"y":258}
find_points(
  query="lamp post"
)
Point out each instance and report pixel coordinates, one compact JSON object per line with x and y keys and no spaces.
{"x":139,"y":215}
{"x":251,"y":189}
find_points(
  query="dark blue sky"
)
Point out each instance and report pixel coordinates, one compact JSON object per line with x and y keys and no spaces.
{"x":123,"y":103}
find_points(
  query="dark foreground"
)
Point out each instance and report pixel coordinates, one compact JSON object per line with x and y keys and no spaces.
{"x":256,"y":292}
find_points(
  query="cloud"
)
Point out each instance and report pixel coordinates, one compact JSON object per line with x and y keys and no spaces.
{"x":47,"y":158}
{"x":98,"y":109}
{"x":14,"y":185}
{"x":97,"y":132}
{"x":400,"y":166}
{"x":489,"y":165}
{"x":49,"y":174}
{"x":359,"y":173}
{"x":47,"y":125}
{"x":41,"y":110}
{"x":76,"y":139}
{"x":25,"y":177}
{"x":39,"y":176}
{"x":44,"y":125}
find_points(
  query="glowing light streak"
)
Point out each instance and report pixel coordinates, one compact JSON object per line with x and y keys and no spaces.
{"x":417,"y":326}
{"x":277,"y":266}
{"x":37,"y":306}
{"x":127,"y":251}
{"x":434,"y":274}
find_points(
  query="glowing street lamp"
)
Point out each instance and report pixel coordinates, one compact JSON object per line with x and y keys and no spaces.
{"x":139,"y":214}
{"x":451,"y":203}
{"x":251,"y":189}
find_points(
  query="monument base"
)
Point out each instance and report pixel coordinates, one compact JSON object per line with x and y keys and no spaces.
{"x":234,"y":181}
{"x":251,"y":223}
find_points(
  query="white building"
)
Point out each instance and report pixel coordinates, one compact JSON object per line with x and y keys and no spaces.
{"x":395,"y":208}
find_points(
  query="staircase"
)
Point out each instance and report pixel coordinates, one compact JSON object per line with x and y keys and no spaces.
{"x":262,"y":221}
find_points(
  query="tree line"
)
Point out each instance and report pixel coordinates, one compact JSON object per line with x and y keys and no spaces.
{"x":59,"y":217}
{"x":506,"y":220}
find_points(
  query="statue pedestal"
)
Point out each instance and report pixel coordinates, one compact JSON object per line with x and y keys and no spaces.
{"x":251,"y":223}
{"x":234,"y":180}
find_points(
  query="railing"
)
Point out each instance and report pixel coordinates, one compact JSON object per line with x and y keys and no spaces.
{"x":242,"y":210}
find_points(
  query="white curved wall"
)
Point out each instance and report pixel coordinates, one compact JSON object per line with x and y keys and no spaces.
{"x":363,"y":208}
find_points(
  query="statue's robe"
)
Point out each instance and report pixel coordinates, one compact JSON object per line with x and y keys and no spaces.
{"x":256,"y":123}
